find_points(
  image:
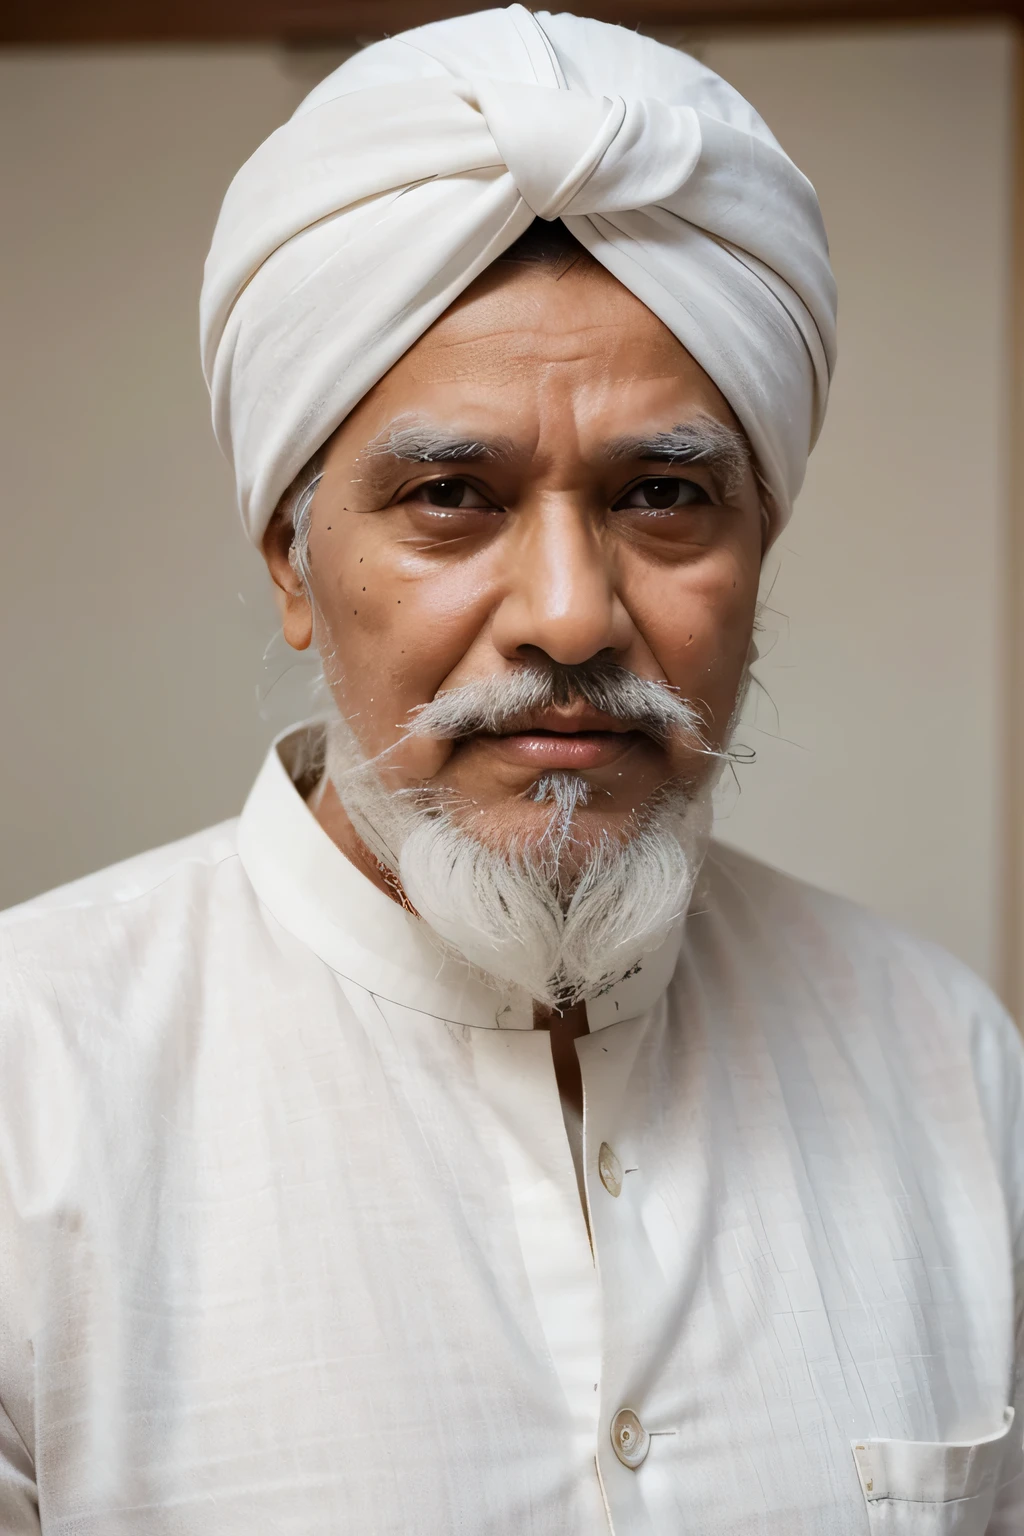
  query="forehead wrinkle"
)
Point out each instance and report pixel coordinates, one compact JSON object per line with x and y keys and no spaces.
{"x":523,"y":333}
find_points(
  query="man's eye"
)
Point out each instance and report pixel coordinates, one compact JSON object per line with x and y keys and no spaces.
{"x":663,"y":494}
{"x":453,"y":495}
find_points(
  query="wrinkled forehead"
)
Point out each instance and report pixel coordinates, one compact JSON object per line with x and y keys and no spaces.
{"x":532,"y":336}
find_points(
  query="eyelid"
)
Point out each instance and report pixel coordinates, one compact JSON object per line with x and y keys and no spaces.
{"x":408,"y":493}
{"x":711,"y":492}
{"x":438,"y":479}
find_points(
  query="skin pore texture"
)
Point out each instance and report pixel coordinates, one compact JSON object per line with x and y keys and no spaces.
{"x":516,"y":490}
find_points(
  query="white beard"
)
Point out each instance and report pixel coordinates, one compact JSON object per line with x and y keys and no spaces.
{"x":511,"y":914}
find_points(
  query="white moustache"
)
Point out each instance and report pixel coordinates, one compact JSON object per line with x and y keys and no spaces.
{"x":495,"y":705}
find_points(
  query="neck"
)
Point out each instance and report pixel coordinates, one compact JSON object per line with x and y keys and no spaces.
{"x":332,"y":816}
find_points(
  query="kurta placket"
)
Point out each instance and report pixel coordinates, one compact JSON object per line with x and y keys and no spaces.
{"x":517,"y":1081}
{"x":632,"y":1284}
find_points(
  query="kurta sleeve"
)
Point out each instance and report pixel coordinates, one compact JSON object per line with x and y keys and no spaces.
{"x":1008,"y":1515}
{"x":19,"y":1503}
{"x":19,"y":1507}
{"x":999,"y":1065}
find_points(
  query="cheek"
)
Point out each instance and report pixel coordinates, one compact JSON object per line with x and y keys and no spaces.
{"x":697,"y":621}
{"x":392,"y":626}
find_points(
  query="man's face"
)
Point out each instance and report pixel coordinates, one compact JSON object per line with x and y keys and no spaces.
{"x":513,"y":492}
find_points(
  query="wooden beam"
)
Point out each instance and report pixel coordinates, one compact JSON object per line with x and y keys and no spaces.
{"x":189,"y":21}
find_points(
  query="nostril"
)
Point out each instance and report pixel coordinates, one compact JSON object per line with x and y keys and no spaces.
{"x":538,"y":656}
{"x":573,"y":652}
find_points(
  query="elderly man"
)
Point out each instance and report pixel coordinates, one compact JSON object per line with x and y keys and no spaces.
{"x":457,"y":1143}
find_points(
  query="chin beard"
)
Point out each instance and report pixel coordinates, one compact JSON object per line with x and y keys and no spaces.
{"x":559,"y":916}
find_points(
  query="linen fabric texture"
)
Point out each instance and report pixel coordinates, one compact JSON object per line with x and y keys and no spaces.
{"x":410,"y":169}
{"x":292,"y":1239}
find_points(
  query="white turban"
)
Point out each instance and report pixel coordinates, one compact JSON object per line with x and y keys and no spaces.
{"x":406,"y":172}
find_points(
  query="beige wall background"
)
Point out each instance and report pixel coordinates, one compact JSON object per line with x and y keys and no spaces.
{"x":880,"y":767}
{"x":140,"y":679}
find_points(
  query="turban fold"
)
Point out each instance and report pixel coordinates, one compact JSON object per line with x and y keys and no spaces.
{"x":406,"y":172}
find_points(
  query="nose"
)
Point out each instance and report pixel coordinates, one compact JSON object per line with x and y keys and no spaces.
{"x":560,"y":591}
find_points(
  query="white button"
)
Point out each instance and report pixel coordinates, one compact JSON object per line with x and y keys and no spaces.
{"x":629,"y":1438}
{"x":610,"y":1169}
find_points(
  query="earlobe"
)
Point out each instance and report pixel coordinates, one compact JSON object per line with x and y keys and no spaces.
{"x":290,"y":596}
{"x":296,"y":619}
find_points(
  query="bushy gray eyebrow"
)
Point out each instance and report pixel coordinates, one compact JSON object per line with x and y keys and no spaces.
{"x":422,"y":444}
{"x":704,"y":441}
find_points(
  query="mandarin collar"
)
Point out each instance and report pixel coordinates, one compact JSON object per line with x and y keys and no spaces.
{"x":319,"y":896}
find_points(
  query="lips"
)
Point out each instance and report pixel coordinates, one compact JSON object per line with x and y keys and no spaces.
{"x":567,"y":749}
{"x":574,"y":737}
{"x":577,"y":738}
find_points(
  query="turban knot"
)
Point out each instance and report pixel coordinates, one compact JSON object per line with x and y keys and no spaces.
{"x":569,"y":153}
{"x":416,"y":164}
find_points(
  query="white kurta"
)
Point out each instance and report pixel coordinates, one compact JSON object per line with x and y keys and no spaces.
{"x":291,"y":1242}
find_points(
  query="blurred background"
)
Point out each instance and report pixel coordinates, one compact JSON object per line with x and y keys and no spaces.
{"x":141,"y":677}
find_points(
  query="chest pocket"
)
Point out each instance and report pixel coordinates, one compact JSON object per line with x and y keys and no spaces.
{"x":913,"y":1487}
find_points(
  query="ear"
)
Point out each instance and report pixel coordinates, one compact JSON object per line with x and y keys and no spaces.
{"x":290,"y":593}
